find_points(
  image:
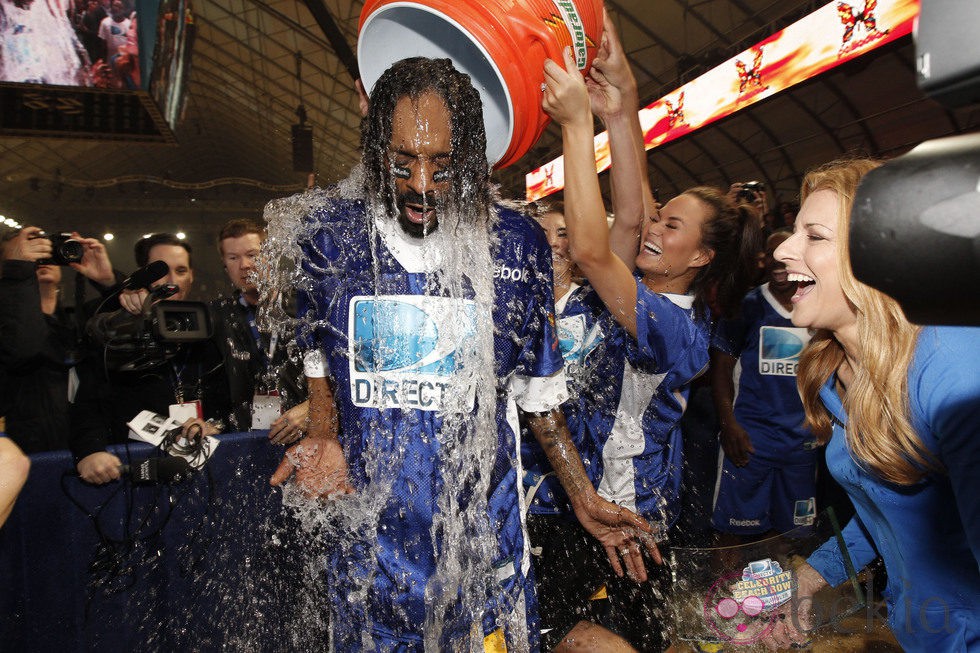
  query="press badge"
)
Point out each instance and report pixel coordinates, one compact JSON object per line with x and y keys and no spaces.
{"x":266,"y":409}
{"x":187,"y":410}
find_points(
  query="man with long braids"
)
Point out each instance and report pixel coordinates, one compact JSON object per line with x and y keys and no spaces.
{"x":429,"y":325}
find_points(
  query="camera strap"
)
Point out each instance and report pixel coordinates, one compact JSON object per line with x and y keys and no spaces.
{"x":79,"y":315}
{"x":177,"y":379}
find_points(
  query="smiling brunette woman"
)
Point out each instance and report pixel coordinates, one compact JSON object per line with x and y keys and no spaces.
{"x":655,"y":283}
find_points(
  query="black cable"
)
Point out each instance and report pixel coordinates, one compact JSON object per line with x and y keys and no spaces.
{"x":112,"y":569}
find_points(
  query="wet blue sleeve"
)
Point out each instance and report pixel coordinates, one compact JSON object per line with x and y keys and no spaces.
{"x":667,"y":337}
{"x":319,"y":258}
{"x":540,"y":355}
{"x":828,"y":560}
{"x":944,"y":391}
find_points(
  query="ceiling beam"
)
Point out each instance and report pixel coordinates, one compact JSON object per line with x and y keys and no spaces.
{"x":337,"y":40}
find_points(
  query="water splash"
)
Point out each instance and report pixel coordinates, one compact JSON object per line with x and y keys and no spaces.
{"x":463,"y":544}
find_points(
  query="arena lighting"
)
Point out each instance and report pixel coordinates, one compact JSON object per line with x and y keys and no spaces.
{"x":834,"y":34}
{"x":107,"y":237}
{"x":181,"y":235}
{"x":147,"y":235}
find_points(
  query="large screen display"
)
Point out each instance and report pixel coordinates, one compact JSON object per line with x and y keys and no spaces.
{"x":94,"y":68}
{"x":70,"y":43}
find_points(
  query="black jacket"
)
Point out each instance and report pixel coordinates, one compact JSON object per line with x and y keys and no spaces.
{"x":36,"y":353}
{"x":249,"y":368}
{"x":109,"y":398}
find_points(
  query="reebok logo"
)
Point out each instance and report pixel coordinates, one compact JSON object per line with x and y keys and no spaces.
{"x":505,"y":273}
{"x":744,"y":522}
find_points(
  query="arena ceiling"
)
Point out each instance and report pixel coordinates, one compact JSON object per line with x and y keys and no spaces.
{"x":244,"y":91}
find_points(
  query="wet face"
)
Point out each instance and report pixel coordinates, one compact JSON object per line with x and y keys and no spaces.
{"x":776,"y":270}
{"x":239,"y":256}
{"x":670,"y":245}
{"x":553,"y":224}
{"x":811,"y":260}
{"x":419,"y":157}
{"x":181,"y":274}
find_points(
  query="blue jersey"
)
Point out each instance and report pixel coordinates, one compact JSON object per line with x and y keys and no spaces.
{"x":767,"y":403}
{"x":641,"y":454}
{"x":394,"y":353}
{"x":929,"y":533}
{"x":591,"y":344}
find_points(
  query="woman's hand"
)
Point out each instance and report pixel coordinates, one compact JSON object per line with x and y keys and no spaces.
{"x":194,"y":428}
{"x":795,"y":618}
{"x":566,"y":98}
{"x":737,"y":444}
{"x":28,"y":245}
{"x":99,"y":467}
{"x":320,"y":466}
{"x":612,"y":87}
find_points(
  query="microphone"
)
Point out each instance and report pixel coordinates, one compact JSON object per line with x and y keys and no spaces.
{"x":142,"y":278}
{"x":162,"y":469}
{"x":145,"y":276}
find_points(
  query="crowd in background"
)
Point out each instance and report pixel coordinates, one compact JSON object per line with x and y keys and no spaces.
{"x":76,"y":379}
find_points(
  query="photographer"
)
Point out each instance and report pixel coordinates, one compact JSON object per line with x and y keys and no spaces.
{"x":39,"y":344}
{"x":136,"y":373}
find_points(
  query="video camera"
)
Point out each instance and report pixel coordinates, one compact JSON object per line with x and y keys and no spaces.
{"x":139,"y":342}
{"x":64,"y":249}
{"x":915,"y":231}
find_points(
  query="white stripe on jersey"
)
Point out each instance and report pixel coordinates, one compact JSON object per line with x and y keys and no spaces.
{"x":627,"y":441}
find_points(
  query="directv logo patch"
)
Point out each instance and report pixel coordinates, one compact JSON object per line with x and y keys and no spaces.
{"x":779,"y":349}
{"x":805,"y":512}
{"x":406,"y":351}
{"x":575,"y":343}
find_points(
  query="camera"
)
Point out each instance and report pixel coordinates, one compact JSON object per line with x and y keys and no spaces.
{"x":64,"y":249}
{"x":174,"y":321}
{"x":750,"y":189}
{"x":141,"y":342}
{"x":915,"y":231}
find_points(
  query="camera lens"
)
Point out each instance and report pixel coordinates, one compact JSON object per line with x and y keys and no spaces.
{"x":71,"y":251}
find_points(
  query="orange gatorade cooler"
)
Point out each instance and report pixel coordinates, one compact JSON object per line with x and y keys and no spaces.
{"x":500,"y":44}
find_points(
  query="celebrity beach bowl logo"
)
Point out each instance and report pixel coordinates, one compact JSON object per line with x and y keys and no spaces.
{"x":741,"y":608}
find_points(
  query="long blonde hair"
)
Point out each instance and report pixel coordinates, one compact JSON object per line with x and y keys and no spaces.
{"x":879,"y":431}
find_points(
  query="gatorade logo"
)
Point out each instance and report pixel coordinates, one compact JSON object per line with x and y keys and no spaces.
{"x":505,"y":273}
{"x":576,"y":31}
